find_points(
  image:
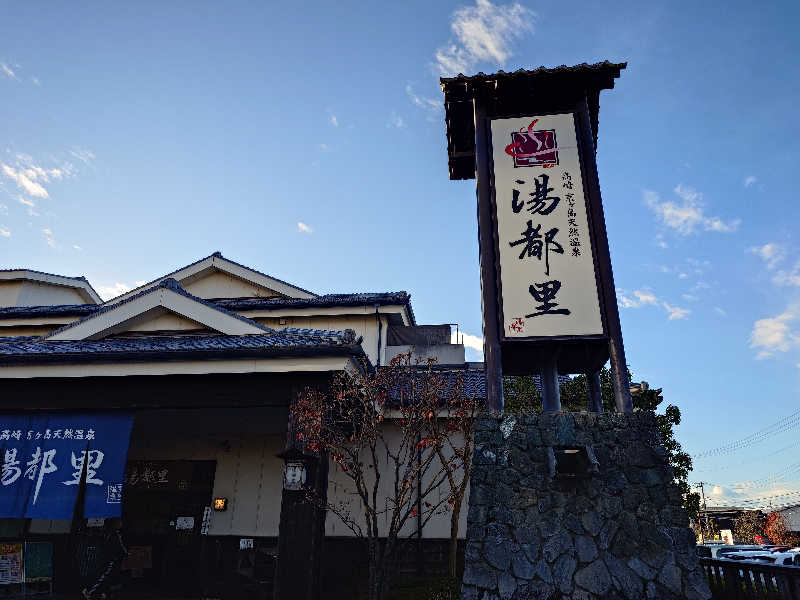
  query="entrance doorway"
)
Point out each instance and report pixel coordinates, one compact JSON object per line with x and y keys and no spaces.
{"x":162,"y":513}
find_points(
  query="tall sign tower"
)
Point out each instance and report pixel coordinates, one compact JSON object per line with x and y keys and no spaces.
{"x":529,"y":138}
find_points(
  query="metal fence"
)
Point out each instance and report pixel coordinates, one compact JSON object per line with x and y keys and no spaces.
{"x":750,"y":580}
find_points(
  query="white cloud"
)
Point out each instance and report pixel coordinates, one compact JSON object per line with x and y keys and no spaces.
{"x":483,"y":33}
{"x":770,"y":253}
{"x":48,"y":236}
{"x":675,"y":312}
{"x":642,"y":298}
{"x":85,"y":156}
{"x":324,"y":147}
{"x":688,"y":216}
{"x":774,"y":334}
{"x":36,"y":81}
{"x":470,"y":341}
{"x":4,"y":232}
{"x":7,"y":71}
{"x":750,"y":180}
{"x":396,"y":121}
{"x":30,"y":176}
{"x":303,"y":228}
{"x":106,"y":292}
{"x":791,"y":277}
{"x":24,"y":182}
{"x":720,"y":311}
{"x":682,"y":276}
{"x":432,"y":106}
{"x":332,"y":119}
{"x":3,"y":209}
{"x":690,"y":297}
{"x":660,"y":241}
{"x":76,"y":247}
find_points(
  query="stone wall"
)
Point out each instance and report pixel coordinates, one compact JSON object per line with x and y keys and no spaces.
{"x":614,"y":529}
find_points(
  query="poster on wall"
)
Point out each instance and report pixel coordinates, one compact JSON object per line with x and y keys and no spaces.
{"x":10,"y":564}
{"x":547,"y":282}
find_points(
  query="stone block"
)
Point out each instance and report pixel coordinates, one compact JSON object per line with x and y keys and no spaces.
{"x":556,"y":545}
{"x":592,"y":522}
{"x":521,"y":566}
{"x":469,"y":592}
{"x":527,"y":535}
{"x":670,"y":578}
{"x":595,"y":578}
{"x":563,"y":570}
{"x":641,"y":569}
{"x":481,"y":577}
{"x":506,"y":586}
{"x":497,"y":552}
{"x":606,"y":534}
{"x":535,"y":590}
{"x":625,"y":579}
{"x":573,"y":523}
{"x":541,"y":570}
{"x":585,"y":548}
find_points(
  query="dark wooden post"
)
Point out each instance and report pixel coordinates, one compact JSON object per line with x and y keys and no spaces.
{"x":551,"y":393}
{"x":302,"y":527}
{"x":595,"y":392}
{"x":619,"y":367}
{"x":491,"y":335}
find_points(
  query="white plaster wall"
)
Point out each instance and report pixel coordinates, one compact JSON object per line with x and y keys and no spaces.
{"x":9,"y":292}
{"x":165,"y":322}
{"x":341,"y":493}
{"x":25,"y":330}
{"x":35,"y":293}
{"x":365,"y":326}
{"x":222,"y":285}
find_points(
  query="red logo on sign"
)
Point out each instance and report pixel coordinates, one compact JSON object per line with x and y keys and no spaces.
{"x":533,"y":147}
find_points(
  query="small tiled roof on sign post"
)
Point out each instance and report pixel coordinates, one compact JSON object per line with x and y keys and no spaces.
{"x":559,"y":82}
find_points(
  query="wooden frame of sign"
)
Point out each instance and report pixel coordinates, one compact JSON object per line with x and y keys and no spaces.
{"x":546,"y":119}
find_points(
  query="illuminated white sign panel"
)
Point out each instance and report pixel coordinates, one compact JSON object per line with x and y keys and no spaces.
{"x":546,"y":265}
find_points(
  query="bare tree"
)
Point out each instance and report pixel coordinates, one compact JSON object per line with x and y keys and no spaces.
{"x":376,"y":428}
{"x":455,"y":426}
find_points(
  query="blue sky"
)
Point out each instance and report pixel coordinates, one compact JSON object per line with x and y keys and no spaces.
{"x":309,"y":143}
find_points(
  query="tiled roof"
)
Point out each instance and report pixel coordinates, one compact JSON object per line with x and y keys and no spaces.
{"x":510,"y":94}
{"x":24,"y":270}
{"x":287,"y":342}
{"x":65,"y":310}
{"x":169,"y":284}
{"x":325,"y":301}
{"x":231,"y":304}
{"x":218,"y":254}
{"x":474,"y":378}
{"x":605,"y":68}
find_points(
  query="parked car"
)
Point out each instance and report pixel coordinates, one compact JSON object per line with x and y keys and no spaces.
{"x":728,"y":551}
{"x":791,"y":559}
{"x":787,"y":558}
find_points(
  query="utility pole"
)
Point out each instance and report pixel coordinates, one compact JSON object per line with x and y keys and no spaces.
{"x":702,"y":508}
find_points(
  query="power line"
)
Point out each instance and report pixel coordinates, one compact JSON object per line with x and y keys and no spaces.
{"x":787,"y":423}
{"x":749,"y":459}
{"x":768,"y":480}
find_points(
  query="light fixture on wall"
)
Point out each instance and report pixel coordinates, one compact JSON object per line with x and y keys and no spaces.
{"x":295,"y":471}
{"x":220,"y":504}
